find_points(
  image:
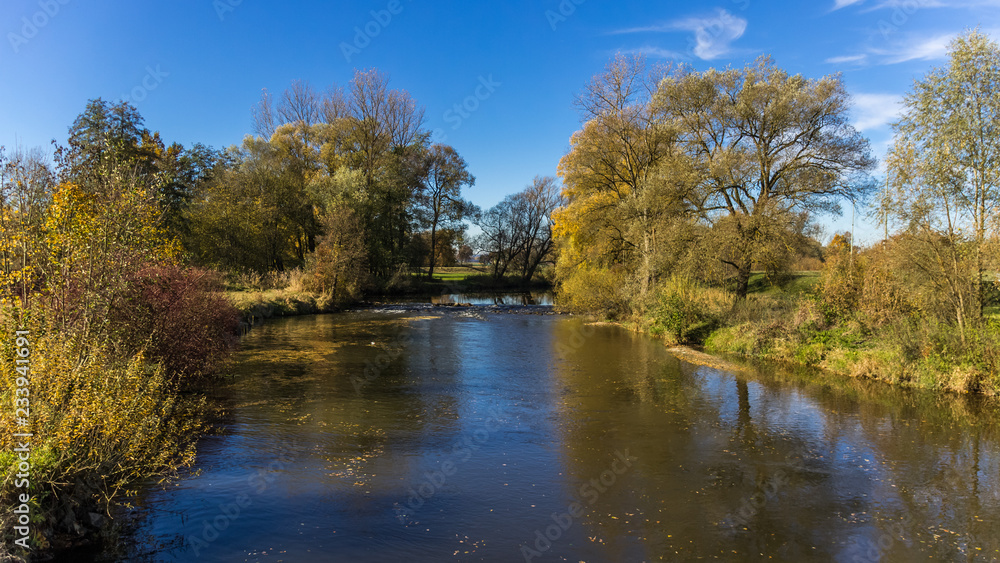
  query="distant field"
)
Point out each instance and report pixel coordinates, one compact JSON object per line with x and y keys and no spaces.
{"x":454,"y":273}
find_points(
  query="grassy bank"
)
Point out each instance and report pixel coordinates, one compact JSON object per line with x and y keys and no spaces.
{"x":792,"y":322}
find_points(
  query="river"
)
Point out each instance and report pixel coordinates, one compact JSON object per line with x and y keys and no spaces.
{"x":422,"y":433}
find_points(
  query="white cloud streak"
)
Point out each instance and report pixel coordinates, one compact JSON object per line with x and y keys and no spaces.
{"x":713,"y":35}
{"x":838,"y":4}
{"x":847,"y":59}
{"x":926,"y":49}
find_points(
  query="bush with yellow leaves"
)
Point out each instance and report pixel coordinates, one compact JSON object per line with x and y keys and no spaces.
{"x":99,"y":424}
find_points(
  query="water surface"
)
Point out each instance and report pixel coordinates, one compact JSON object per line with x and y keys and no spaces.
{"x":460,"y":435}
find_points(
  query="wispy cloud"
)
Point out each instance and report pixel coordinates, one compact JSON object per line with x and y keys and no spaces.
{"x":908,"y":6}
{"x":872,"y":111}
{"x":923,"y":49}
{"x":838,"y":4}
{"x":713,"y":35}
{"x":847,"y":59}
{"x":914,"y":48}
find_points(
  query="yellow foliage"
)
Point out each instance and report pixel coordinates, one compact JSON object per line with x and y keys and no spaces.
{"x":93,"y":413}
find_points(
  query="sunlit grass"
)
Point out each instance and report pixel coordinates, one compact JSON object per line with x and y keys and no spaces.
{"x":452,"y":273}
{"x":795,"y":283}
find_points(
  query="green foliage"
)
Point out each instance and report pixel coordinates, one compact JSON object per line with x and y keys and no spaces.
{"x":338,"y":267}
{"x":683,"y":308}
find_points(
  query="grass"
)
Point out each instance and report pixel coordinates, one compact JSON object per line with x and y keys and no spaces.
{"x":796,"y":283}
{"x":453,"y":273}
{"x":788,"y":322}
{"x":473,"y":278}
{"x":257,"y":305}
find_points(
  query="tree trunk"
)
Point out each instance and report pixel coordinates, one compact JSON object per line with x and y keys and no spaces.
{"x":430,"y":271}
{"x":742,"y":280}
{"x":646,"y":267}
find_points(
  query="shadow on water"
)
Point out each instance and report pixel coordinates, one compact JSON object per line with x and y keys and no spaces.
{"x":436,"y":436}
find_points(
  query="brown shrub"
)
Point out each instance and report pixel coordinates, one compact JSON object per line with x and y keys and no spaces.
{"x":179,"y":317}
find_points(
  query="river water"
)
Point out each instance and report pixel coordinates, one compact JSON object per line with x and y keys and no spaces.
{"x":427,"y":433}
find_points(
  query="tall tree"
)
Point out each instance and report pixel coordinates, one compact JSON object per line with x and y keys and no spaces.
{"x":766,"y":145}
{"x":945,"y":165}
{"x":440,"y":203}
{"x":104,"y":134}
{"x":610,"y":218}
{"x":538,"y":201}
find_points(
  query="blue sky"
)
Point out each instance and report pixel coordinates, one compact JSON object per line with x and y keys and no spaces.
{"x":194,"y":68}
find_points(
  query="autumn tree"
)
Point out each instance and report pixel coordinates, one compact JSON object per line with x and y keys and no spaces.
{"x":338,"y":267}
{"x":248,"y":218}
{"x":614,"y":207}
{"x":360,"y":147}
{"x":385,"y":145}
{"x":766,"y":145}
{"x":944,"y":168}
{"x":27,"y":183}
{"x":439,"y":203}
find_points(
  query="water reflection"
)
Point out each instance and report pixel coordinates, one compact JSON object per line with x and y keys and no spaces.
{"x":520,"y":436}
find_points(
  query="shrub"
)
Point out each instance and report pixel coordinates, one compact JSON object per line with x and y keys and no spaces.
{"x":338,"y":267}
{"x":100,"y":423}
{"x":683,"y":307}
{"x":595,"y":290}
{"x":178,"y":317}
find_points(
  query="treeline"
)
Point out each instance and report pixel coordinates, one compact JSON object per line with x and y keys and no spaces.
{"x":345,"y":186}
{"x":711,"y":173}
{"x":516,"y":233}
{"x":683,"y":186}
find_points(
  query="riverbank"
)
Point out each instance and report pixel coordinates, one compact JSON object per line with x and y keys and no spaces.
{"x":791,"y":324}
{"x":256,"y":306}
